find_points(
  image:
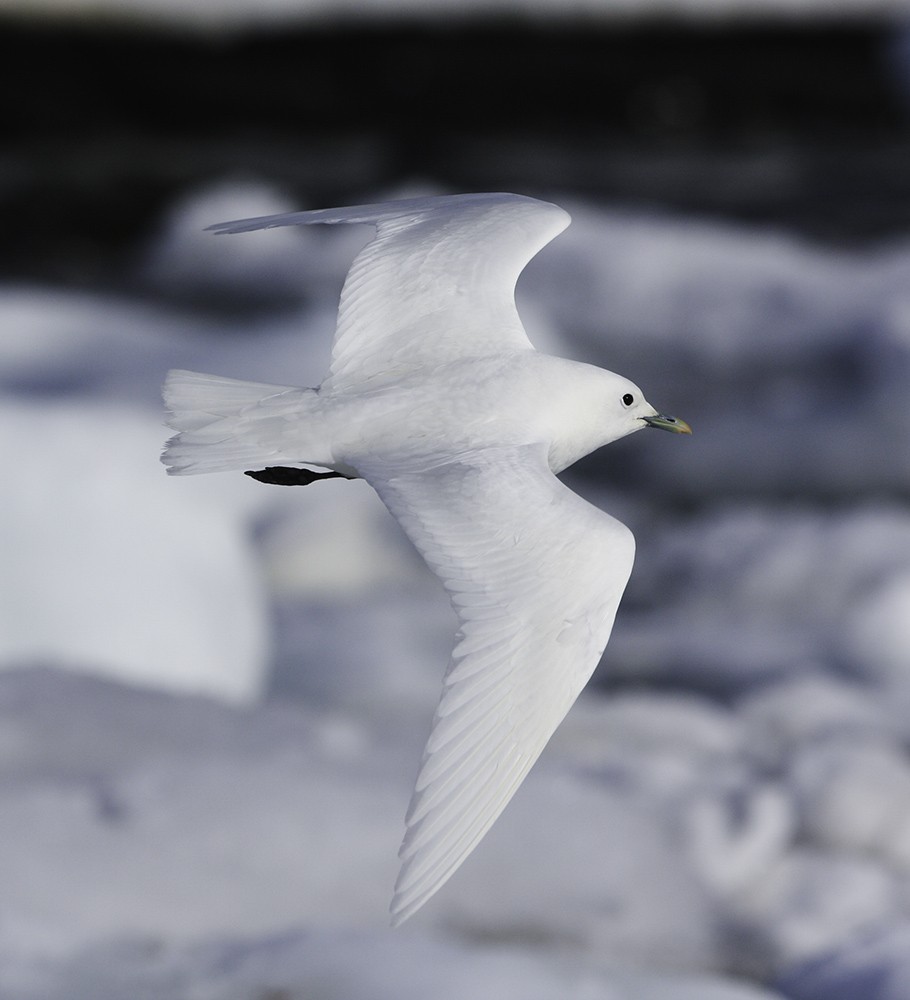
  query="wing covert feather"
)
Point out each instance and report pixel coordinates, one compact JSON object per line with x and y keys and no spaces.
{"x":435,"y":284}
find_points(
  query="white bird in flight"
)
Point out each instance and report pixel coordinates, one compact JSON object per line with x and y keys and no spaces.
{"x":436,"y":397}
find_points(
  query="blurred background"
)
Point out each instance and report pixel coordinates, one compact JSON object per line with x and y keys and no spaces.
{"x":214,"y":694}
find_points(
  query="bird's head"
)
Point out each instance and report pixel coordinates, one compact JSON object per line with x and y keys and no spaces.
{"x":632,"y":411}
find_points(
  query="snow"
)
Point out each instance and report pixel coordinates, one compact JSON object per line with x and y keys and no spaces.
{"x":800,"y":588}
{"x":108,"y":571}
{"x":213,"y":695}
{"x":355,"y":965}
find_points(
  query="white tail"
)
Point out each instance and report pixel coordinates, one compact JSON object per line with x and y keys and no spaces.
{"x":226,"y":424}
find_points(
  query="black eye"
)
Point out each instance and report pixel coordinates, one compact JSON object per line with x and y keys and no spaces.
{"x":628,"y":399}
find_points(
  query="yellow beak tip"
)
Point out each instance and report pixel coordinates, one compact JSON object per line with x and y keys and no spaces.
{"x":666,"y":423}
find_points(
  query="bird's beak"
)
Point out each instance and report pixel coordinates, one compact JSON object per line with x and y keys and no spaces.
{"x":666,"y":423}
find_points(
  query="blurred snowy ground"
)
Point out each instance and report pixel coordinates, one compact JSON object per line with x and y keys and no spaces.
{"x":214,"y":694}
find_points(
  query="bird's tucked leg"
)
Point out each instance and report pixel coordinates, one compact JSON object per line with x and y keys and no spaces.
{"x":281,"y":475}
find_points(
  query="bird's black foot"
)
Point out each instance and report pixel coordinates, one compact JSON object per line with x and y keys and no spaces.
{"x":280,"y":475}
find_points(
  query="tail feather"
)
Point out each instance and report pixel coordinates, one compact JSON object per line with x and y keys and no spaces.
{"x":223,"y":424}
{"x":194,"y":399}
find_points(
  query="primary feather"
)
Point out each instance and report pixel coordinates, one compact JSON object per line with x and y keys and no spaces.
{"x":535,"y":575}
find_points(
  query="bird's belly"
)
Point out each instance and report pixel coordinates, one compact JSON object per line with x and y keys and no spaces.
{"x":442,"y":414}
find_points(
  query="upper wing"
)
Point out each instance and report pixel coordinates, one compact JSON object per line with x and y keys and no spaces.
{"x":535,"y":575}
{"x":436,"y":283}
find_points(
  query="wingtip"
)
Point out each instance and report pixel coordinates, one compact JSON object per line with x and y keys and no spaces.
{"x":252,"y":224}
{"x":236,"y":226}
{"x":408,"y":897}
{"x":380,"y":211}
{"x":400,"y":910}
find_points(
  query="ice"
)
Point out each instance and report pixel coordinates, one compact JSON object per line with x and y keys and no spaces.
{"x":186,"y":262}
{"x":856,"y":796}
{"x":55,"y":342}
{"x":195,"y":819}
{"x":214,"y":694}
{"x":877,"y":967}
{"x":801,"y":589}
{"x":186,"y":844}
{"x":814,"y":903}
{"x":354,"y":965}
{"x":108,"y":570}
{"x":341,"y":543}
{"x":737,"y":324}
{"x":272,"y":272}
{"x":184,"y":819}
{"x":710,"y":293}
{"x":815,"y":708}
{"x":877,"y":633}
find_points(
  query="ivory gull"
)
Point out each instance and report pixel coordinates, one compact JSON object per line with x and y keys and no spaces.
{"x":436,"y":397}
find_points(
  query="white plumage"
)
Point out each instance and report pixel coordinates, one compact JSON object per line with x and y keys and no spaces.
{"x":436,"y":397}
